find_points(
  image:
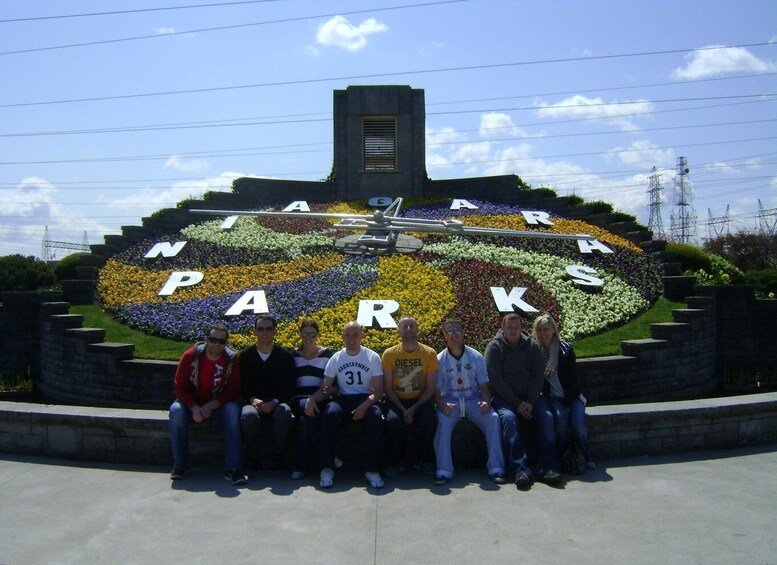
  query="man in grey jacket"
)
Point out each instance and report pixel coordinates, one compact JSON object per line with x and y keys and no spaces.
{"x":515,"y":368}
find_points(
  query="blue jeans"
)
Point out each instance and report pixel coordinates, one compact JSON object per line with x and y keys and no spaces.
{"x":578,"y":427}
{"x":181,"y":418}
{"x":512,"y":445}
{"x":552,"y":425}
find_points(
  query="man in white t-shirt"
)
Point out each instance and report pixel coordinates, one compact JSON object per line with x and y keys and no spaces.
{"x":358,"y":374}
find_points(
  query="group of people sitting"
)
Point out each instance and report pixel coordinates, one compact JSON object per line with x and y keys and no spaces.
{"x":521,"y":377}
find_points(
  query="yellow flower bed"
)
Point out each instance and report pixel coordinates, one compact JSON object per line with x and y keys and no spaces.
{"x":120,"y":283}
{"x":421,"y":291}
{"x":577,"y":226}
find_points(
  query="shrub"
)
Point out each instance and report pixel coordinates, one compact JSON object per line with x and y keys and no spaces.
{"x":690,"y":257}
{"x":721,"y":273}
{"x":24,"y":273}
{"x":66,"y":268}
{"x":545,"y":191}
{"x":623,"y":217}
{"x":599,"y":207}
{"x":764,"y":280}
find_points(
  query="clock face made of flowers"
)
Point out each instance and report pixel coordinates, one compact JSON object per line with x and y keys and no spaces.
{"x":470,"y":259}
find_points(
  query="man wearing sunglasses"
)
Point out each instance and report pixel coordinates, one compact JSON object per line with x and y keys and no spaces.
{"x":207,"y":383}
{"x":462,"y":391}
{"x":268,"y":382}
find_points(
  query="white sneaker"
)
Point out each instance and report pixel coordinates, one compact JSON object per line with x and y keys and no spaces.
{"x":374,"y":479}
{"x":327,"y":478}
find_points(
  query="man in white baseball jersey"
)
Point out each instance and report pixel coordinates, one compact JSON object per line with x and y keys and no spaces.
{"x":463,"y":392}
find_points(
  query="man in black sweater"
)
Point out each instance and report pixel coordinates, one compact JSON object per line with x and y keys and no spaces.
{"x":267,"y":384}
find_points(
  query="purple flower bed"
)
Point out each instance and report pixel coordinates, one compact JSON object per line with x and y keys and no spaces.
{"x":185,"y":320}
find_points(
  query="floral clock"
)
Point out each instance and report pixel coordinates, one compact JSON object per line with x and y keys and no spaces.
{"x":212,"y":271}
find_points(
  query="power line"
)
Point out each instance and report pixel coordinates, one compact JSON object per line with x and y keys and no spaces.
{"x":375,"y":75}
{"x":763,"y":97}
{"x":603,"y":89}
{"x":223,"y":28}
{"x":136,"y":11}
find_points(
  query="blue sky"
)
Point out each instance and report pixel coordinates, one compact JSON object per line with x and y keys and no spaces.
{"x":105,"y":118}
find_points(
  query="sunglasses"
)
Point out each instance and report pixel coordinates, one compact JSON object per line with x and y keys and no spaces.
{"x":308,"y":334}
{"x":219,"y":340}
{"x":454,"y":331}
{"x":265,"y":328}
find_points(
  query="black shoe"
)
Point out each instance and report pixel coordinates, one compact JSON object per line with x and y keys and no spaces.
{"x":441,"y":480}
{"x":178,"y":474}
{"x":425,"y":467}
{"x":550,"y":478}
{"x":236,"y":477}
{"x":498,"y":478}
{"x":523,"y":480}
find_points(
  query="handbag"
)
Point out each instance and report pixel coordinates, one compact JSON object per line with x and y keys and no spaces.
{"x":572,"y":460}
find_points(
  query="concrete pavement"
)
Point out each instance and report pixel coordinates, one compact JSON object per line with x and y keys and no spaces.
{"x":708,"y":507}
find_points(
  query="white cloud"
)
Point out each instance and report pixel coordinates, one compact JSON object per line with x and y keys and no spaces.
{"x":582,"y":52}
{"x":431,"y":47}
{"x":642,"y":154}
{"x":497,"y":125}
{"x":443,"y":135}
{"x":33,"y":207}
{"x":472,"y":152}
{"x":709,"y":62}
{"x":190,"y":166}
{"x":722,"y":167}
{"x":164,"y":30}
{"x":489,"y":158}
{"x":582,"y":107}
{"x":148,"y":200}
{"x":339,"y":32}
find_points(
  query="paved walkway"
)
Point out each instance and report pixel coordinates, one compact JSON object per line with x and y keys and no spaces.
{"x":710,"y":507}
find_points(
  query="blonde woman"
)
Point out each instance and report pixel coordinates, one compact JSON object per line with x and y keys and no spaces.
{"x":562,"y":404}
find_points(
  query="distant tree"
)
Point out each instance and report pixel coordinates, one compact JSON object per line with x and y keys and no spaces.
{"x":24,"y":273}
{"x":746,"y":250}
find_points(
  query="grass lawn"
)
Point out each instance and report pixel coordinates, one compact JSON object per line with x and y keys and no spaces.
{"x":146,"y":346}
{"x":608,"y":342}
{"x":149,"y":347}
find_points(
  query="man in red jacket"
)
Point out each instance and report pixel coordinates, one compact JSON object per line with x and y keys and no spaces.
{"x":207,"y":383}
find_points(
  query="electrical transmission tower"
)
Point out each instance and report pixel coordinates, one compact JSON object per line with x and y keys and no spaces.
{"x":718,"y":225}
{"x":655,"y":188}
{"x":767,"y":220}
{"x":49,"y":245}
{"x":683,"y":217}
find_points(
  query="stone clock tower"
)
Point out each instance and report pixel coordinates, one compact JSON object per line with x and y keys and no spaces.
{"x":379,"y":141}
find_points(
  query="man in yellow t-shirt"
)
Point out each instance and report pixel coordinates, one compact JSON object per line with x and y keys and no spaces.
{"x":409,"y":373}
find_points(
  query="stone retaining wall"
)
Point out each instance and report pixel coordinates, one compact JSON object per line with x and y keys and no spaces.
{"x":141,"y":436}
{"x":76,"y":365}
